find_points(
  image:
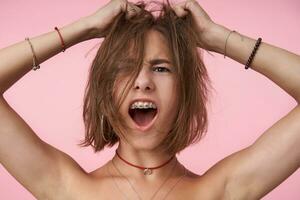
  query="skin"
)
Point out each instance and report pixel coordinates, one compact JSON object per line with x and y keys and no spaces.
{"x":156,"y":82}
{"x":49,"y":173}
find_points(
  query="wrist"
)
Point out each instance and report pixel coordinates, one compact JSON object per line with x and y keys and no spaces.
{"x":88,"y":29}
{"x":76,"y":32}
{"x":216,"y":38}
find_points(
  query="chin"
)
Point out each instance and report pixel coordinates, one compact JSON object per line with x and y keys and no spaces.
{"x":147,"y":143}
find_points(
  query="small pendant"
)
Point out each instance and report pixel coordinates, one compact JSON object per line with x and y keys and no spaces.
{"x":147,"y":171}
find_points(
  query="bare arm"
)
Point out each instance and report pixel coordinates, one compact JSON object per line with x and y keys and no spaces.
{"x":16,"y":60}
{"x":38,"y":166}
{"x":254,"y":171}
{"x":277,"y":149}
{"x":279,"y":65}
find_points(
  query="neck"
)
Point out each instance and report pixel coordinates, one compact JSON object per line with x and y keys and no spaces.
{"x":144,"y":158}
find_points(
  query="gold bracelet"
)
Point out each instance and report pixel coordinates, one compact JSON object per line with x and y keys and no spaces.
{"x":226,"y":42}
{"x":35,"y":66}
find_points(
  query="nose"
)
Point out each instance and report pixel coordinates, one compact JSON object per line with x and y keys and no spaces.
{"x":144,"y":82}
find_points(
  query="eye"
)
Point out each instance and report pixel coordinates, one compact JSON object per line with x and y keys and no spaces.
{"x":161,"y":69}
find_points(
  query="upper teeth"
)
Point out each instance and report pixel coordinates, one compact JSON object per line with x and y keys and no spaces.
{"x":143,"y":105}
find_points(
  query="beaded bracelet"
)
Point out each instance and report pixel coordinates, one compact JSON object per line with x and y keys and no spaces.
{"x":61,"y":39}
{"x":257,"y":44}
{"x":35,"y":65}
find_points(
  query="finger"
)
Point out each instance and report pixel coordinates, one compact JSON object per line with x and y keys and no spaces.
{"x":179,"y":9}
{"x":195,"y":8}
{"x":132,"y":10}
{"x":136,"y":8}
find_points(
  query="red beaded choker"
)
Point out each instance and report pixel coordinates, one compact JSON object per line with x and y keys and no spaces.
{"x":147,"y":170}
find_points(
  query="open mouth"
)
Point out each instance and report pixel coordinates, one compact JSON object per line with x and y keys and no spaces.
{"x":142,"y":116}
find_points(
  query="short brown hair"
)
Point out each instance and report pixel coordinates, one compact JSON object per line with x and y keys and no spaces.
{"x":100,"y":113}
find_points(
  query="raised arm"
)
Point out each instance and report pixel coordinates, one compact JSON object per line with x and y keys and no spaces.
{"x":279,"y":65}
{"x":275,"y":155}
{"x":39,"y":167}
{"x":35,"y":164}
{"x":255,"y":171}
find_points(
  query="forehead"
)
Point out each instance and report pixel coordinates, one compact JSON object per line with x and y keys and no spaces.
{"x":156,"y":46}
{"x":156,"y":50}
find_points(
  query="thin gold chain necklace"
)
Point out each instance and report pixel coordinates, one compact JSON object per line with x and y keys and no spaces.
{"x":131,"y":185}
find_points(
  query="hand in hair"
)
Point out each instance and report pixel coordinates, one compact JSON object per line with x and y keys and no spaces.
{"x":204,"y":25}
{"x":104,"y":16}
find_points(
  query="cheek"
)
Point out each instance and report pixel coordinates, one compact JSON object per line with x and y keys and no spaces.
{"x":118,"y":88}
{"x":171,"y":88}
{"x":169,"y":94}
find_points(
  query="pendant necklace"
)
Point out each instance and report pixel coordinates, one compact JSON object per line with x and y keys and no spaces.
{"x":131,"y":185}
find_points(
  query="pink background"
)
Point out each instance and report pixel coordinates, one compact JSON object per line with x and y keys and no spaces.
{"x":244,"y":105}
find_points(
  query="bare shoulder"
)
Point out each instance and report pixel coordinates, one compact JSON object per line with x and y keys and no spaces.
{"x":212,"y":184}
{"x":220,"y":182}
{"x":78,"y":184}
{"x":71,"y":174}
{"x":192,"y":186}
{"x":98,"y":183}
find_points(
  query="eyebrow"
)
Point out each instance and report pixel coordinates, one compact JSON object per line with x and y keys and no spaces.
{"x":151,"y":62}
{"x":158,"y":61}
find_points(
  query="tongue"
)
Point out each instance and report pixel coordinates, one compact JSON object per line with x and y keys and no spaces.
{"x":143,"y":116}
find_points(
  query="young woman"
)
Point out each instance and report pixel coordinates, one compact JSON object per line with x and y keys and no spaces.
{"x":147,"y":91}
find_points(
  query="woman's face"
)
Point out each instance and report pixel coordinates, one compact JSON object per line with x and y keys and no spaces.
{"x":156,"y":84}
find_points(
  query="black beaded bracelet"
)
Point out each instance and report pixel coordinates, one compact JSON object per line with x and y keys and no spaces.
{"x":258,"y":42}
